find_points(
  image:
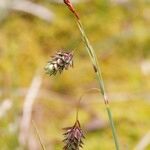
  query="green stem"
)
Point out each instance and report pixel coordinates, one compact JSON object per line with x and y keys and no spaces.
{"x":92,"y":55}
{"x":97,"y":70}
{"x":112,"y":127}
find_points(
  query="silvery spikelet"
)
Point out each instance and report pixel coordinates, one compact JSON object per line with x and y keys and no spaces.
{"x":59,"y":62}
{"x":73,"y":137}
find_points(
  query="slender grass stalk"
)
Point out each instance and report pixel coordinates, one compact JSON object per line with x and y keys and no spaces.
{"x":97,"y":70}
{"x":38,"y":135}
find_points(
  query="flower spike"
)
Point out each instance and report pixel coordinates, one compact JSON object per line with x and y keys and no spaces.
{"x":59,"y":62}
{"x":73,"y":137}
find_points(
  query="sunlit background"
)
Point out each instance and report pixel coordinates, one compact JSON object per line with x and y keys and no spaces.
{"x":33,"y":30}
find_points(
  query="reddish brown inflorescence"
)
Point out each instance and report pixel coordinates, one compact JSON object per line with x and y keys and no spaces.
{"x":70,"y":6}
{"x":73,"y":137}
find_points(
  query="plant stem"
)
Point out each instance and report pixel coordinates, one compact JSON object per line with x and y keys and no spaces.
{"x":97,"y":70}
{"x":38,"y":135}
{"x":112,"y":127}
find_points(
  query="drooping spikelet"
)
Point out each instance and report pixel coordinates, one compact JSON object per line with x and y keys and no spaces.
{"x":59,"y":62}
{"x":73,"y":137}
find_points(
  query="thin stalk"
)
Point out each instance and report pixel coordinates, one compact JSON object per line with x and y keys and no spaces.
{"x":97,"y":70}
{"x":113,"y":127}
{"x":38,"y":135}
{"x":93,"y":57}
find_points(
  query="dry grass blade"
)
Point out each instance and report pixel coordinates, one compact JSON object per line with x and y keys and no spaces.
{"x":38,"y":135}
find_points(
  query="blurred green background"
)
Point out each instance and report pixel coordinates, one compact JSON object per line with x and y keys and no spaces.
{"x":119,"y":33}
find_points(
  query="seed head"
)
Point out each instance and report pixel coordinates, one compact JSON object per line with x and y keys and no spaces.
{"x":73,"y":137}
{"x":59,"y":62}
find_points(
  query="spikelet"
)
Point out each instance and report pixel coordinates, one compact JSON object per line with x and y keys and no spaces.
{"x":59,"y":62}
{"x":70,"y":6}
{"x":73,"y":137}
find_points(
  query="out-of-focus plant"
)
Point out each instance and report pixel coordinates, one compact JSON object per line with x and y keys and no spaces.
{"x":26,"y":6}
{"x":38,"y":135}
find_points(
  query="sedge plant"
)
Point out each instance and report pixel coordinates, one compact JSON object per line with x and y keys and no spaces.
{"x":97,"y":69}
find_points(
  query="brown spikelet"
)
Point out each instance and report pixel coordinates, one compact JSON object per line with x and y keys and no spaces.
{"x":70,"y":6}
{"x":73,"y":137}
{"x":59,"y":62}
